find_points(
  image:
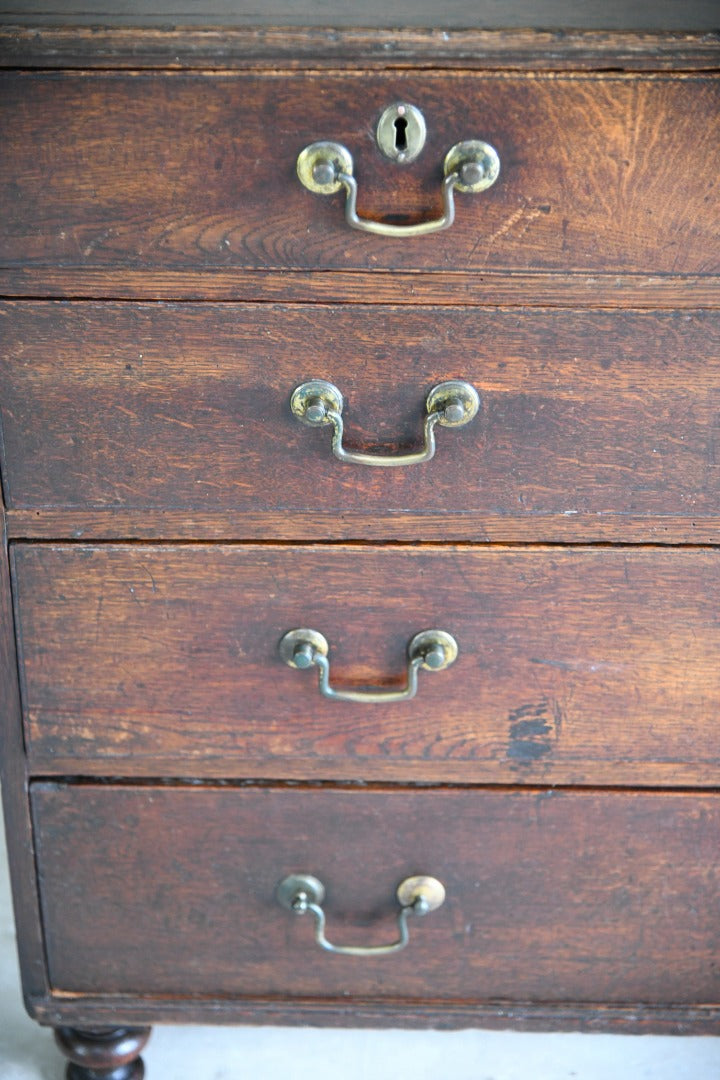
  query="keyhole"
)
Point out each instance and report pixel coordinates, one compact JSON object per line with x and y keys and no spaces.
{"x":401,"y":134}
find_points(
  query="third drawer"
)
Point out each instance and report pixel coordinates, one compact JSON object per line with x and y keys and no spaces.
{"x":575,"y":665}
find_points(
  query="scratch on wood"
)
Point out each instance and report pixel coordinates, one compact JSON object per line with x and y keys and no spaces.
{"x":713,"y":442}
{"x":96,"y":241}
{"x":523,"y":214}
{"x":175,"y":420}
{"x":152,"y":579}
{"x":98,"y":617}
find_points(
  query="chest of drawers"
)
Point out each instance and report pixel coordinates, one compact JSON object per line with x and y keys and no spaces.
{"x":245,"y":681}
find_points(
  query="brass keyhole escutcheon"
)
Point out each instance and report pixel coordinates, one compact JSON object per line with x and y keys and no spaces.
{"x":401,"y":132}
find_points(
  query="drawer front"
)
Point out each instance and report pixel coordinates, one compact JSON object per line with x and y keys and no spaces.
{"x":585,"y":419}
{"x":550,"y":896}
{"x":575,"y":665}
{"x":187,"y":170}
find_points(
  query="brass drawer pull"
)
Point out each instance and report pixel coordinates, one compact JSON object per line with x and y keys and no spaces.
{"x":326,"y":167}
{"x":416,"y":895}
{"x":319,"y":403}
{"x":432,"y":650}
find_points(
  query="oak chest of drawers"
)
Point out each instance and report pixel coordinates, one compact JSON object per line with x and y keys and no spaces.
{"x":248,"y":675}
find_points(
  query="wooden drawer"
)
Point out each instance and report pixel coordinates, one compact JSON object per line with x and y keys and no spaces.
{"x":575,"y":665}
{"x":592,"y":425}
{"x":552,"y":896}
{"x":166,"y":171}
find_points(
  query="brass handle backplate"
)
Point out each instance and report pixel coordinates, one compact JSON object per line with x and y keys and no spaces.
{"x":431,"y":650}
{"x":326,"y":167}
{"x":418,"y":895}
{"x":450,"y":404}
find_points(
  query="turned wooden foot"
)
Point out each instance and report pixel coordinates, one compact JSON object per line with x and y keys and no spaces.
{"x":103,"y":1054}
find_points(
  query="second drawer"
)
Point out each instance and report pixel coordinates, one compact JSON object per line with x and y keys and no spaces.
{"x":575,"y":665}
{"x":591,"y":425}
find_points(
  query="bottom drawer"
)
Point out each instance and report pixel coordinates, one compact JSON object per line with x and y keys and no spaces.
{"x":553,"y":896}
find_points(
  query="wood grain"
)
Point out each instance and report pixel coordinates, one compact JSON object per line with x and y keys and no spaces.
{"x":594,"y":667}
{"x":576,"y":666}
{"x":90,"y":180}
{"x":325,"y":525}
{"x":364,"y":1012}
{"x":234,"y":47}
{"x":551,"y":896}
{"x":587,"y":419}
{"x":474,"y":288}
{"x":16,"y":810}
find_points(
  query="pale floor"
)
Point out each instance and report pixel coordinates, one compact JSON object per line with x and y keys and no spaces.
{"x":27,"y":1052}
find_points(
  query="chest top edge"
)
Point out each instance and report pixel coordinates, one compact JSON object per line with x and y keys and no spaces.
{"x":138,"y":45}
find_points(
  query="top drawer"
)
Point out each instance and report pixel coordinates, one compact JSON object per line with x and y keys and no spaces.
{"x":187,"y":171}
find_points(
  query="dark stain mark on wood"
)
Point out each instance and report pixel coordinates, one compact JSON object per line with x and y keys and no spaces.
{"x":525,"y":728}
{"x":527,"y":750}
{"x":533,"y":727}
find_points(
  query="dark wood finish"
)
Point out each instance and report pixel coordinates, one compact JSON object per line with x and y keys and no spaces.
{"x":222,"y":193}
{"x":489,"y":288}
{"x":361,"y":287}
{"x":104,"y":1054}
{"x":233,"y":48}
{"x":587,"y":417}
{"x":584,"y":909}
{"x":552,"y":896}
{"x":16,"y":812}
{"x":362,"y":1012}
{"x":148,"y":659}
{"x":296,"y":526}
{"x":134,"y":1071}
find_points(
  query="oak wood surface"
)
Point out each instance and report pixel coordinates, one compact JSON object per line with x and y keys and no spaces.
{"x":576,"y":665}
{"x":364,"y":1012}
{"x":16,"y":810}
{"x":553,"y":896}
{"x":474,"y":288}
{"x":600,"y":173}
{"x":236,"y":47}
{"x":587,"y":418}
{"x":325,"y":525}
